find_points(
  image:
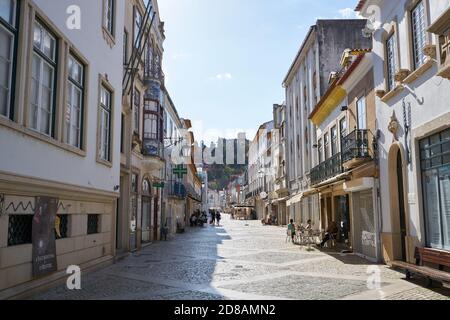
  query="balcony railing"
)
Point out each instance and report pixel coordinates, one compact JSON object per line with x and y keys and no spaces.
{"x":355,"y":146}
{"x":327,"y":169}
{"x":177,"y":189}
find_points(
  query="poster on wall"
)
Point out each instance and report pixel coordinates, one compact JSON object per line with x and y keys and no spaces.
{"x":43,"y":234}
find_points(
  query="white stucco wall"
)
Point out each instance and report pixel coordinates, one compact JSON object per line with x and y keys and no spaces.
{"x":433,"y":96}
{"x":28,"y":156}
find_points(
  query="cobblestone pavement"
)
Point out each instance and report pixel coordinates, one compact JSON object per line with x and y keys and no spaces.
{"x":242,"y":260}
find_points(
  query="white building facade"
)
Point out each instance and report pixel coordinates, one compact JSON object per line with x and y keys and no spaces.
{"x":60,"y":115}
{"x":411,"y":64}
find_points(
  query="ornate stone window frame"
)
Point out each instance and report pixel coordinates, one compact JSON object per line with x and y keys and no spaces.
{"x":392,"y":30}
{"x":440,"y":28}
{"x":109,"y":37}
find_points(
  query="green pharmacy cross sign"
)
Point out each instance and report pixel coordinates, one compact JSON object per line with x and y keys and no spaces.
{"x":180,"y":171}
{"x":159,"y":185}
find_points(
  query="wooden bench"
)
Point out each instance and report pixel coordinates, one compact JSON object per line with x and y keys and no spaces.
{"x":427,"y":255}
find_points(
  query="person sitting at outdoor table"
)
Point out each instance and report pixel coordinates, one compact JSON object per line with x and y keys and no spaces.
{"x":332,"y":231}
{"x":291,"y":229}
{"x":308,"y":225}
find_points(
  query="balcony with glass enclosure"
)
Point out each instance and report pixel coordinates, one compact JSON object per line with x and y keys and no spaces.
{"x":153,"y":140}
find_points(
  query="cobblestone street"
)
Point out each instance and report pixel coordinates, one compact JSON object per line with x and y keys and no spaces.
{"x":240,"y":260}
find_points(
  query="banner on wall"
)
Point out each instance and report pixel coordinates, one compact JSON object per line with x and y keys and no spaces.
{"x":43,"y":235}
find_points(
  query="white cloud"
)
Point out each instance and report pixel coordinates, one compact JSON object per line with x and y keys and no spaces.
{"x":223,"y":76}
{"x":349,"y":13}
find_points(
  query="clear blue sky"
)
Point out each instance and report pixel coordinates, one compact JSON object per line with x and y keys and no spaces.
{"x":225,"y":60}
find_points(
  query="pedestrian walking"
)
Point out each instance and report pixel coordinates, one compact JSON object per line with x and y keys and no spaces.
{"x":213,"y":217}
{"x":218,"y":217}
{"x":291,"y":230}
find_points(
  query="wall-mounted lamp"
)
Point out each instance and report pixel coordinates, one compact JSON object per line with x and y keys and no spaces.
{"x":116,"y":188}
{"x":344,"y":108}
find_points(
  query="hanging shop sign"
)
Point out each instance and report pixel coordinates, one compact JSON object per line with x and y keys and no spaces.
{"x":43,"y":236}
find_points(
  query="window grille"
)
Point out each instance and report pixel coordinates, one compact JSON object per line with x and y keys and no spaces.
{"x":20,"y":229}
{"x":92,"y":224}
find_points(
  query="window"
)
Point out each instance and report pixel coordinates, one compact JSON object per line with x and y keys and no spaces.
{"x":137,"y":26}
{"x":150,"y":106}
{"x":136,"y":110}
{"x":320,"y":150}
{"x":108,"y":11}
{"x":105,"y":124}
{"x":326,"y":140}
{"x":362,"y":115}
{"x":134,"y":183}
{"x":418,"y":34}
{"x":19,"y":229}
{"x":8,"y":37}
{"x":93,"y":223}
{"x":334,"y":141}
{"x":390,"y":59}
{"x":435,"y":167}
{"x":122,"y":133}
{"x":42,"y":98}
{"x":61,"y":226}
{"x":74,"y":107}
{"x":343,"y":127}
{"x":125,"y":48}
{"x":151,"y":126}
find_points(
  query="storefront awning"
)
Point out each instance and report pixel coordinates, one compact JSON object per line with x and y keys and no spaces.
{"x":294,"y":199}
{"x":280,"y":200}
{"x":298,"y":197}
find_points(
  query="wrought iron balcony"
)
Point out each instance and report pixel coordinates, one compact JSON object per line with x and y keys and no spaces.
{"x":327,"y":169}
{"x":177,"y":189}
{"x":355,"y":148}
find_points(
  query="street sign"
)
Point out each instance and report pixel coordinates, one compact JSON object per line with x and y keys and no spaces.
{"x":180,"y":171}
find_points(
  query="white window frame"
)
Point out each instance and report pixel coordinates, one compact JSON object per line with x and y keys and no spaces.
{"x":137,"y":24}
{"x":361,"y":105}
{"x":9,"y":27}
{"x":72,"y":86}
{"x":109,"y":15}
{"x":419,"y":35}
{"x":51,"y":62}
{"x":391,"y":65}
{"x":105,"y":124}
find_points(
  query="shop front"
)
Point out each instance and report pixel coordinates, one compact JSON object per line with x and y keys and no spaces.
{"x":363,"y":217}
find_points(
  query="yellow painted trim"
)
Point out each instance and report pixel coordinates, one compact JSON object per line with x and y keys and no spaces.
{"x":334,"y":99}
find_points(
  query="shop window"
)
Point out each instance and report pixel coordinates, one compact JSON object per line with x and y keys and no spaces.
{"x":93,"y":223}
{"x":61,"y":226}
{"x":20,"y":229}
{"x":435,"y":166}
